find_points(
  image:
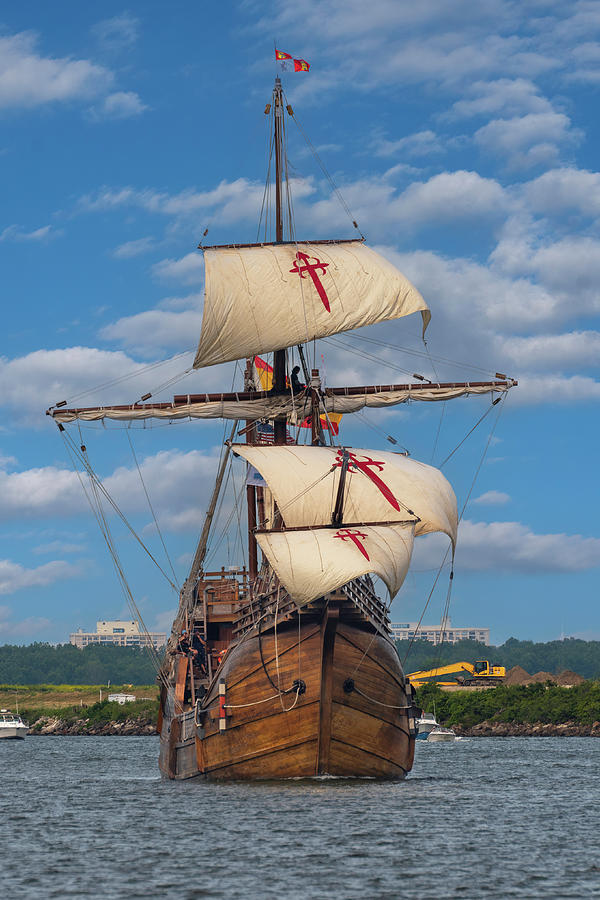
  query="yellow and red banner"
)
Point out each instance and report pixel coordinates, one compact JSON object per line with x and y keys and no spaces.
{"x":285,"y":61}
{"x":329,"y":422}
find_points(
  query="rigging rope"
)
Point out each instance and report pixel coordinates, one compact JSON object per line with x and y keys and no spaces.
{"x":82,"y":457}
{"x":152,"y":511}
{"x":462,"y":512}
{"x":95,"y":504}
{"x":129,"y":375}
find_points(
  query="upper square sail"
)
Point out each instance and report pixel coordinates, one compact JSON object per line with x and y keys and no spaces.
{"x":381,"y":487}
{"x":266,"y":297}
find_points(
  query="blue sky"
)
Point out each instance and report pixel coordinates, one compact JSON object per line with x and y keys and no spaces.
{"x":463,"y":138}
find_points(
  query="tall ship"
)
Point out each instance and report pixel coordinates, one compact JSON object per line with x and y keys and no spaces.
{"x":285,"y":666}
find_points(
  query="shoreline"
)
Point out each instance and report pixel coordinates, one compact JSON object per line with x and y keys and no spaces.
{"x":54,"y":726}
{"x":534,"y":729}
{"x":143,"y":726}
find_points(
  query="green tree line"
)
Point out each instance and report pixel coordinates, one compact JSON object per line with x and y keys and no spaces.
{"x":41,"y":663}
{"x":579,"y":656}
{"x":517,"y":703}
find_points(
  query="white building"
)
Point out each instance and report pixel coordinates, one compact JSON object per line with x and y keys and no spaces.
{"x":121,"y":633}
{"x":121,"y":699}
{"x":451,"y":634}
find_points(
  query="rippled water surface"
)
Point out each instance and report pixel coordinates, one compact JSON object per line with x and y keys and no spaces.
{"x":484,"y":817}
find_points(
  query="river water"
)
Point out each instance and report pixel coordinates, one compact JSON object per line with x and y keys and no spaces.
{"x":483,"y":817}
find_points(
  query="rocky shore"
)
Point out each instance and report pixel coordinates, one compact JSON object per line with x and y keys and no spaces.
{"x":55,"y":726}
{"x":536,"y":729}
{"x":145,"y":726}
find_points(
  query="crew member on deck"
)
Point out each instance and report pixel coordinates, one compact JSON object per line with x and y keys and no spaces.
{"x":198,"y":649}
{"x":297,"y":385}
{"x":183,"y":644}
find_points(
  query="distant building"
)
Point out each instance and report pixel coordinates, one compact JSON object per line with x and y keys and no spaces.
{"x":121,"y":698}
{"x":123,"y":634}
{"x":451,"y":634}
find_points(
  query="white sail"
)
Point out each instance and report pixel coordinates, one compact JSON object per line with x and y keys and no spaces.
{"x":295,"y":408}
{"x":267,"y":407}
{"x":312,"y":562}
{"x":380,"y":487}
{"x":267,"y":297}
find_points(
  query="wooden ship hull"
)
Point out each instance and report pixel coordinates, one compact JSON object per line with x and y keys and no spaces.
{"x":320,"y":693}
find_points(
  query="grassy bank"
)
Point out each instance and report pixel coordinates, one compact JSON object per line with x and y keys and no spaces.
{"x":94,"y":716}
{"x":58,"y":696}
{"x":519,"y":704}
{"x":72,"y":702}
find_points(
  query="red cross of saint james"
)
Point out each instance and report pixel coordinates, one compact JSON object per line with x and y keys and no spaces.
{"x":312,"y":269}
{"x":365,"y":464}
{"x":356,"y":537}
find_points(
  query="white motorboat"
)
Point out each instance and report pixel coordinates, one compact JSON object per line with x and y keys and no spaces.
{"x":11,"y":725}
{"x":425,"y":725}
{"x":439,"y":733}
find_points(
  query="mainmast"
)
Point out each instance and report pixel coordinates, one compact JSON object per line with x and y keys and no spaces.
{"x":279,"y":373}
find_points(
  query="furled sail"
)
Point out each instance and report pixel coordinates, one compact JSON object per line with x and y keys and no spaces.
{"x":259,"y":405}
{"x":381,"y":487}
{"x":312,"y":562}
{"x":269,"y":296}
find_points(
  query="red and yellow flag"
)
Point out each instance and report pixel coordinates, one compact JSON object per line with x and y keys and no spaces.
{"x":285,"y":61}
{"x":263,"y":374}
{"x":329,"y":422}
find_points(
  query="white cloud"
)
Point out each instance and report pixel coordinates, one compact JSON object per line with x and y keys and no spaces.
{"x":163,"y":621}
{"x":16,"y":233}
{"x":574,"y":349}
{"x":555,"y":388}
{"x":120,"y":105}
{"x":58,"y":547}
{"x":117,"y":33}
{"x":28,"y":627}
{"x":421,"y":143}
{"x":14,"y":577}
{"x":568,"y":269}
{"x":156,"y":329}
{"x":562,"y":190}
{"x":509,"y":547}
{"x":189,"y":269}
{"x":46,"y":491}
{"x":506,"y":96}
{"x":84,"y":376}
{"x":134,"y":248}
{"x":179,"y":487}
{"x":527,"y":141}
{"x":492,"y":498}
{"x":513,"y":547}
{"x":28,"y":79}
{"x":31,"y":383}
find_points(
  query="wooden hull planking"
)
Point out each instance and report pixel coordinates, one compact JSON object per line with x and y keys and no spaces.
{"x":329,"y":729}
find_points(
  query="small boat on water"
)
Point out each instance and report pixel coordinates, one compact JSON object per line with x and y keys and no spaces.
{"x":429,"y":729}
{"x":439,"y":733}
{"x":11,"y":725}
{"x":425,"y":725}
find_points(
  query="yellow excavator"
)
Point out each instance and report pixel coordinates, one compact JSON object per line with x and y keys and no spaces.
{"x":465,"y":673}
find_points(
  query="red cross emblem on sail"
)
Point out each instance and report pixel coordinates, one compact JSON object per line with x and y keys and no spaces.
{"x":366,"y":464}
{"x":312,"y":269}
{"x":357,"y":537}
